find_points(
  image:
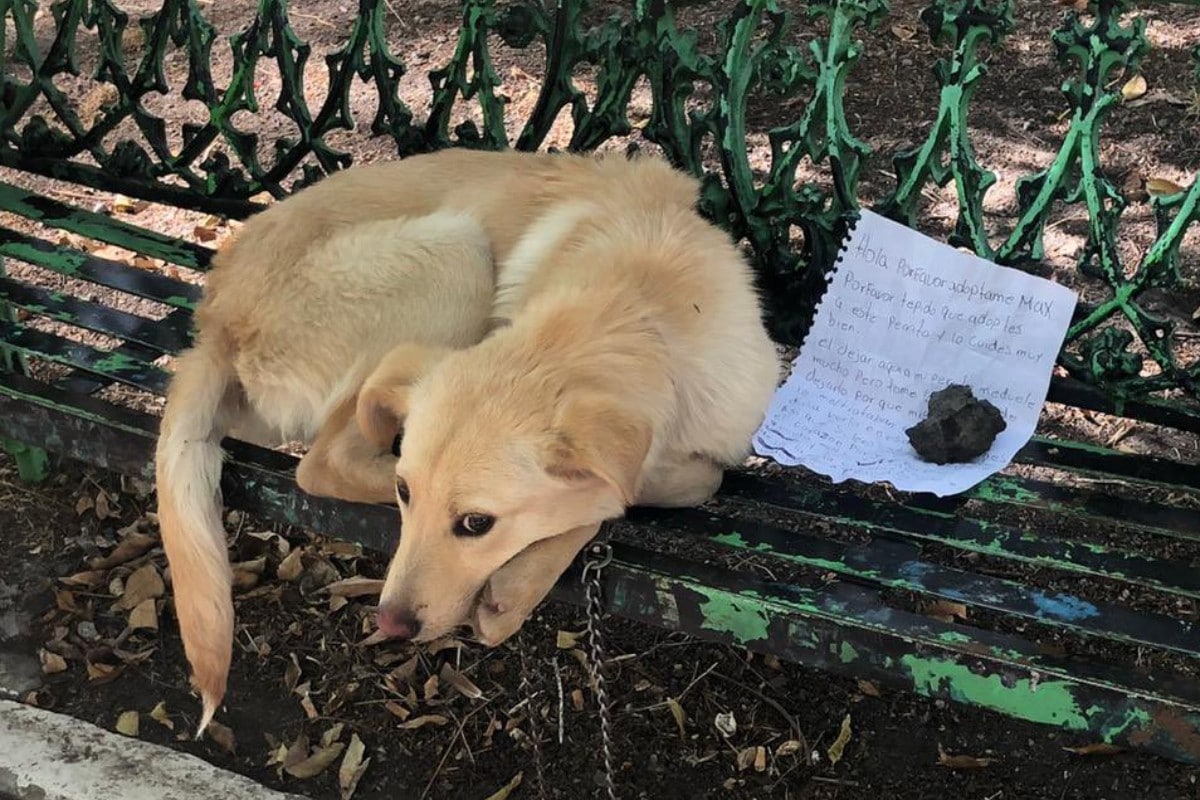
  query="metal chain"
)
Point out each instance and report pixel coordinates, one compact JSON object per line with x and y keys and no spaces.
{"x":599,"y":556}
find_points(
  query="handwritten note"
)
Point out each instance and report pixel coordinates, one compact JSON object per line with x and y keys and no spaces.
{"x":905,"y":316}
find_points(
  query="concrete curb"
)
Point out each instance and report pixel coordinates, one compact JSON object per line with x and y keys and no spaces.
{"x":47,"y":756}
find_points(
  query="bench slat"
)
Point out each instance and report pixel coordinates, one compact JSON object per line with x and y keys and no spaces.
{"x":965,"y":533}
{"x":1145,"y":516}
{"x":896,"y":565}
{"x":119,"y":367}
{"x":168,"y":335}
{"x":105,"y":272}
{"x":1176,"y":414}
{"x":1104,"y":462}
{"x":102,"y":227}
{"x":83,"y":382}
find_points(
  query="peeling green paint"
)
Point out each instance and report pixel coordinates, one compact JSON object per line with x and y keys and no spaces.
{"x":1049,"y":702}
{"x":735,"y":539}
{"x":723,"y":613}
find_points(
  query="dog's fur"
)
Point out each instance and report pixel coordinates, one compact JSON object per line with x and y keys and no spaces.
{"x":630,"y":366}
{"x":627,"y":364}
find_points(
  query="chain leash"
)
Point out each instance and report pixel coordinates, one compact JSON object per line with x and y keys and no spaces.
{"x":599,"y":556}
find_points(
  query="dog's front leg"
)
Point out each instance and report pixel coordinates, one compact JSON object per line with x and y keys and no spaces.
{"x":341,"y":463}
{"x":516,"y":589}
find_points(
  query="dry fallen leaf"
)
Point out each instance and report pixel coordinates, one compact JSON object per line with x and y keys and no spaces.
{"x":869,"y":688}
{"x":352,"y":768}
{"x":944,"y":610}
{"x":159,"y":714}
{"x":355,"y":587}
{"x":1161,"y":187}
{"x":101,"y":672}
{"x":144,"y":616}
{"x":278,"y":756}
{"x":222,"y":736}
{"x":760,"y":758}
{"x":726,"y":724}
{"x":788,"y":748}
{"x":395,"y":708}
{"x":1134,"y":88}
{"x":291,"y":567}
{"x":577,"y":699}
{"x":432,"y":687}
{"x":126,"y":205}
{"x":132,"y":546}
{"x":104,"y":506}
{"x":839,"y":744}
{"x":84,"y":504}
{"x":745,"y":758}
{"x":1096,"y":749}
{"x":204,"y":233}
{"x":961,"y":762}
{"x":423,"y":720}
{"x":679,"y":715}
{"x":459,"y":682}
{"x":316,"y":763}
{"x":507,"y":788}
{"x":296,"y":753}
{"x":142,"y":585}
{"x":568,"y":639}
{"x":91,"y":579}
{"x":332,"y":735}
{"x":128,"y":723}
{"x":904,"y":32}
{"x":52,"y":662}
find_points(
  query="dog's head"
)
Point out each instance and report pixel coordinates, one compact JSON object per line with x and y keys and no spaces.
{"x":496,"y":457}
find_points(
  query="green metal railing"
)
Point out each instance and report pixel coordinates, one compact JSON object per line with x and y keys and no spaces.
{"x":698,"y":117}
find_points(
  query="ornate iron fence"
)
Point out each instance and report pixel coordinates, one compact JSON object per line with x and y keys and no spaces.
{"x":698,"y":117}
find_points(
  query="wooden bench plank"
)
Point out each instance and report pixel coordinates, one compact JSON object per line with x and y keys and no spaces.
{"x":1070,"y":392}
{"x":102,"y":271}
{"x":896,"y":565}
{"x":102,"y":227}
{"x":119,"y":367}
{"x":168,"y":335}
{"x":1104,"y":462}
{"x":965,"y":533}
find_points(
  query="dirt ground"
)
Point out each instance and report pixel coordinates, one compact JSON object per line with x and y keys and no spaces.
{"x":85,"y":600}
{"x":458,"y":721}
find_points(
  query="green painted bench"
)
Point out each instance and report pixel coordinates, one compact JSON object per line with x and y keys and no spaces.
{"x":1067,"y":585}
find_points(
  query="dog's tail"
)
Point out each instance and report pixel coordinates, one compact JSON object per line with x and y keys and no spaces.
{"x":201,"y":405}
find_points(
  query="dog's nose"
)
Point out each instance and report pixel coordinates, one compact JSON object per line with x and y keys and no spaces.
{"x":398,"y":624}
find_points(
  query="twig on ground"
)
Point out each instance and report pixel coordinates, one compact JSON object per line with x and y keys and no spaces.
{"x":558,"y":682}
{"x":450,"y":746}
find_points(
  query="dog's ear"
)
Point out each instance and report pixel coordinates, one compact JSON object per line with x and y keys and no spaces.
{"x":596,"y":439}
{"x":383,"y":399}
{"x":380,"y":413}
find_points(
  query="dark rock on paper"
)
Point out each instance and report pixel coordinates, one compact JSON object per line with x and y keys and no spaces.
{"x":959,"y":427}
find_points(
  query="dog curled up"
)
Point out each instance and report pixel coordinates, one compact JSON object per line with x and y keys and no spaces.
{"x":558,"y":337}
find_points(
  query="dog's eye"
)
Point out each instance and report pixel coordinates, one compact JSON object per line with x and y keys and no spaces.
{"x":396,"y":444}
{"x":402,"y":491}
{"x":473,"y":525}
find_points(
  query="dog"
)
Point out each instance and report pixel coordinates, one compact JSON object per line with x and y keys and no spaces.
{"x":450,"y":297}
{"x":629,"y":364}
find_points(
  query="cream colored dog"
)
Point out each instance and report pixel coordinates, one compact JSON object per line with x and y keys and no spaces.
{"x":631,"y":366}
{"x":628,"y":364}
